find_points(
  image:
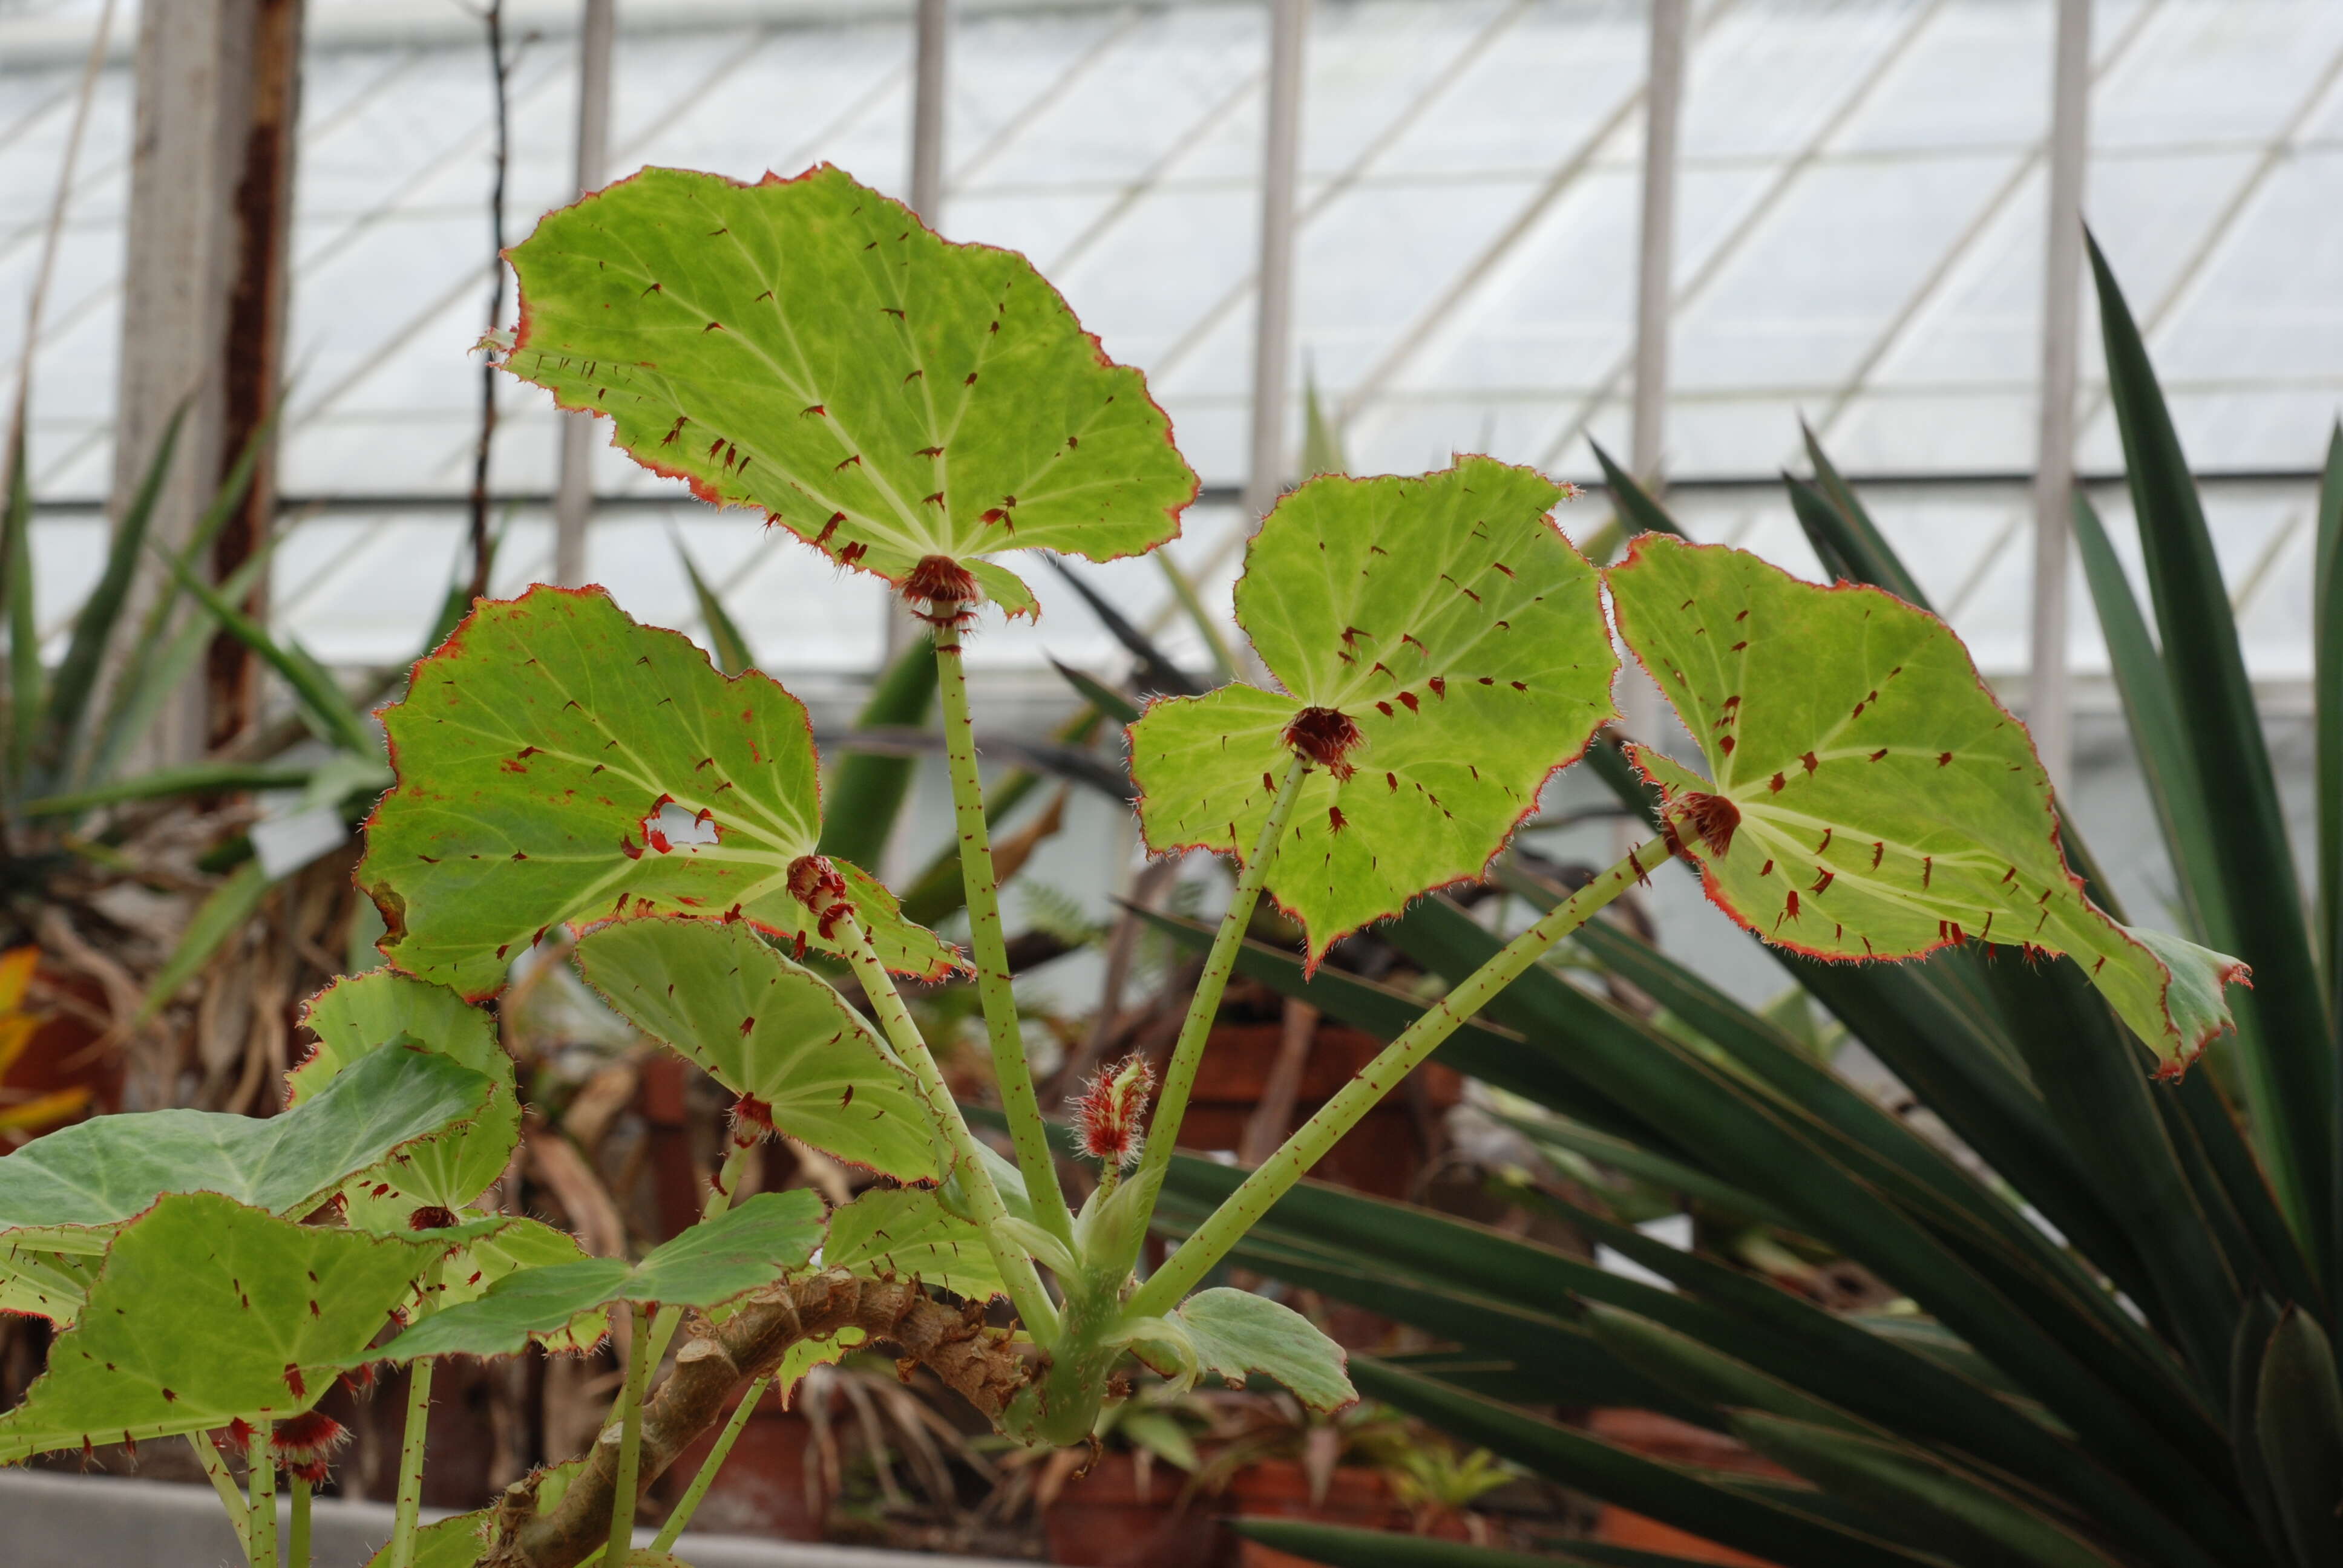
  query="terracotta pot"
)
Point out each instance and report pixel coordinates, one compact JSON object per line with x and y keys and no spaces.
{"x":1279,"y":1489}
{"x":1677,"y":1442}
{"x":1381,"y":1155}
{"x":1105,"y":1518}
{"x":765,"y":1487}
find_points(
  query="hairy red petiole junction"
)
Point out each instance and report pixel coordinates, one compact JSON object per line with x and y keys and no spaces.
{"x":431,"y":1217}
{"x":305,"y":1443}
{"x":1712,"y":818}
{"x":946,"y":587}
{"x":1326,"y":736}
{"x":752,"y":1120}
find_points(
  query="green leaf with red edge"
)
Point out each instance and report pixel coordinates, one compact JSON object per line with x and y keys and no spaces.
{"x":561,"y":763}
{"x":766,"y":1029}
{"x":360,"y":1015}
{"x":1446,"y":616}
{"x":1871,"y":800}
{"x":807,"y":347}
{"x":208,"y":1311}
{"x":761,"y":1239}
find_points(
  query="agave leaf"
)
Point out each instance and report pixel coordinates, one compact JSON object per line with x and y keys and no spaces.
{"x":94,"y":624}
{"x":1153,"y":670}
{"x":1704,"y":1375}
{"x":761,"y":1239}
{"x":1446,"y":618}
{"x":1875,"y":801}
{"x":206,"y":1312}
{"x":1637,"y":512}
{"x":732,"y":653}
{"x":73,"y":1188}
{"x":361,"y":1014}
{"x":765,"y":1027}
{"x":2299,"y":1430}
{"x":1101,"y":697}
{"x":324,"y":703}
{"x":1235,"y":1333}
{"x":197,"y":778}
{"x":906,"y":1233}
{"x":534,"y":792}
{"x":808,"y":347}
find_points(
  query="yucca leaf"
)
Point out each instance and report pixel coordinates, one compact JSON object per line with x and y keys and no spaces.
{"x":220,"y":917}
{"x":865,"y":790}
{"x":2097,"y":1379}
{"x":1624,"y":1155}
{"x":198,"y":778}
{"x":2249,"y":1345}
{"x":1637,"y":512}
{"x":25,"y":674}
{"x":1191,"y":604}
{"x":2216,"y":703}
{"x":1099,"y":694}
{"x":1155,"y":672}
{"x":1958,"y":1517}
{"x":2298,"y":1427}
{"x":1703,"y":1375}
{"x":731,"y":648}
{"x":93,"y":627}
{"x":1674,"y":1494}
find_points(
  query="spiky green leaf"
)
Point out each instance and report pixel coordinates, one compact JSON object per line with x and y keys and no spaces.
{"x":207,"y":1311}
{"x":806,"y":346}
{"x":750,"y":1246}
{"x":558,"y":762}
{"x":1234,"y":1334}
{"x":1447,"y":618}
{"x":761,"y":1026}
{"x":71,"y":1188}
{"x":361,"y":1014}
{"x":907,"y":1233}
{"x":1883,"y":804}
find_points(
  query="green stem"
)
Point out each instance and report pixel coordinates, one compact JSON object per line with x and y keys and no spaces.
{"x":207,"y":1455}
{"x":1009,"y":1069}
{"x":410,"y":1465}
{"x":1314,"y":1138}
{"x":296,"y":1547}
{"x":1205,"y":1007}
{"x":1017,"y":1273}
{"x":720,"y":1198}
{"x":630,"y":1443}
{"x":684,"y":1509}
{"x":262,"y":1536}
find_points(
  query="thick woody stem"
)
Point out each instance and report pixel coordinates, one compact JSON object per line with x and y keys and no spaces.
{"x":981,"y":1364}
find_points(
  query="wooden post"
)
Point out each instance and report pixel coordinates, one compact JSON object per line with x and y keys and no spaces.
{"x":1273,"y":342}
{"x":203,"y":296}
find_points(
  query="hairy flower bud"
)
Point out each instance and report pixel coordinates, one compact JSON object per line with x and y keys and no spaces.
{"x":1111,"y":1110}
{"x":815,"y":883}
{"x":238,"y":1438}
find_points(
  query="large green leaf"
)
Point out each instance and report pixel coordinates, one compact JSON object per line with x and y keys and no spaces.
{"x":70,"y":1189}
{"x":558,"y":762}
{"x":358,"y":1015}
{"x":1871,"y":798}
{"x":205,"y":1311}
{"x":907,"y":1233}
{"x":759,"y":1241}
{"x":806,"y":346}
{"x":763,"y":1027}
{"x":1234,"y":1333}
{"x":1446,"y":618}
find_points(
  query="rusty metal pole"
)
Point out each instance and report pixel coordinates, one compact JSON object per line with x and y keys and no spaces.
{"x":204,"y":296}
{"x":2049,"y":710}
